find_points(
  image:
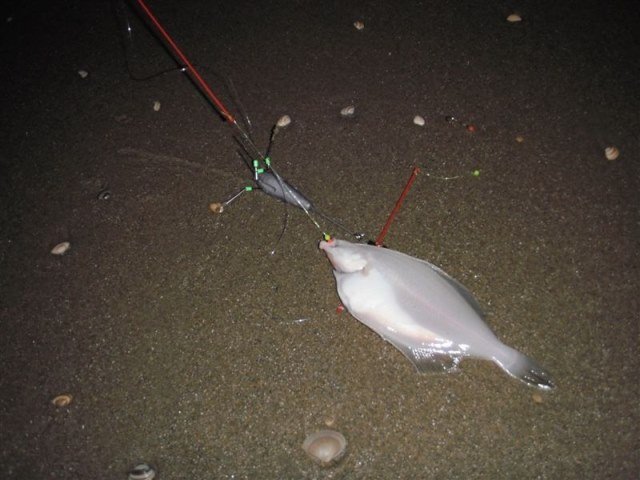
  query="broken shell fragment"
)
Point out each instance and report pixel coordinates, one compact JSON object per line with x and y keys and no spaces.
{"x":325,"y":447}
{"x":83,"y":73}
{"x":63,"y":400}
{"x":513,"y":18}
{"x":359,"y":25}
{"x":156,"y":106}
{"x":61,"y":248}
{"x":418,"y":120}
{"x":216,"y":207}
{"x":519,"y":139}
{"x":348,"y":111}
{"x":283,"y":121}
{"x":611,"y":153}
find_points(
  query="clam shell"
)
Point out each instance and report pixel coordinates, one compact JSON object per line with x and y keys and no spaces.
{"x":348,"y":111}
{"x":142,"y":471}
{"x":61,"y":248}
{"x":513,"y":18}
{"x":216,"y":207}
{"x":418,"y":120}
{"x":283,"y":121}
{"x":63,"y":400}
{"x":325,"y":447}
{"x":611,"y":153}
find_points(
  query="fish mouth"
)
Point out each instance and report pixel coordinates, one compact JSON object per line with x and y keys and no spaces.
{"x":326,"y":245}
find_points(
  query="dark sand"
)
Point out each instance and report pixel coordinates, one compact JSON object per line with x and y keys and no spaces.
{"x":185,"y":344}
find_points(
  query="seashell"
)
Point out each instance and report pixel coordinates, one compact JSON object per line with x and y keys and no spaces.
{"x":418,"y":120}
{"x":611,"y":153}
{"x":330,"y":421}
{"x":359,"y":25}
{"x":61,"y":248}
{"x":142,"y":471}
{"x":216,"y":207}
{"x":104,"y":194}
{"x":348,"y":111}
{"x":283,"y":121}
{"x":519,"y":139}
{"x":83,"y":73}
{"x":513,"y":18}
{"x":156,"y":106}
{"x":326,"y":447}
{"x":63,"y":400}
{"x":537,"y":398}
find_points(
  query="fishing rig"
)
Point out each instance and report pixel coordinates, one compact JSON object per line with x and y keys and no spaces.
{"x":265,"y":176}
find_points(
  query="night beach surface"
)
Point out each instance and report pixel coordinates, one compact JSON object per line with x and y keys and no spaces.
{"x":183,"y":343}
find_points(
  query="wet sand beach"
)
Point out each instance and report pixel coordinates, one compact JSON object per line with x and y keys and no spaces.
{"x":185,"y":344}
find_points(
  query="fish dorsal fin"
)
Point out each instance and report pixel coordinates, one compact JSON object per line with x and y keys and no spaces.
{"x":461,"y":289}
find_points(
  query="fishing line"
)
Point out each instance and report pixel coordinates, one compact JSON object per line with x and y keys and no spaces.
{"x":127,"y":41}
{"x":236,"y":100}
{"x":262,"y":174}
{"x":193,"y":73}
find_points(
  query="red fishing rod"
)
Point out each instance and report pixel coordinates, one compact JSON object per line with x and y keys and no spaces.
{"x":265,"y":176}
{"x":200,"y":82}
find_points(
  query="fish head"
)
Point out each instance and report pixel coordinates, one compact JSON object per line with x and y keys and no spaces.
{"x":345,"y":257}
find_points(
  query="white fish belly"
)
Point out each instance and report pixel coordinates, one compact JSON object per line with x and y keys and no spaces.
{"x":426,"y":330}
{"x":370,"y":300}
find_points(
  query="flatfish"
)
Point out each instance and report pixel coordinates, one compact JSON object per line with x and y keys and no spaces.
{"x":426,"y":314}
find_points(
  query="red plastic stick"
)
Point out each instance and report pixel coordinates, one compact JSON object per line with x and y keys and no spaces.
{"x":385,"y":229}
{"x":199,"y":80}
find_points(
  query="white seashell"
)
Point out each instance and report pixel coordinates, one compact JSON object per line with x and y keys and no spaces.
{"x":359,"y":25}
{"x":513,"y":18}
{"x":61,"y":248}
{"x":348,"y":111}
{"x":142,"y":472}
{"x":83,"y":73}
{"x":156,"y":106}
{"x":611,"y":153}
{"x":325,"y":446}
{"x":418,"y":120}
{"x":283,"y":121}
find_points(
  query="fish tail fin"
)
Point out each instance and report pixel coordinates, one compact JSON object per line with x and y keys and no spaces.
{"x":523,"y":368}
